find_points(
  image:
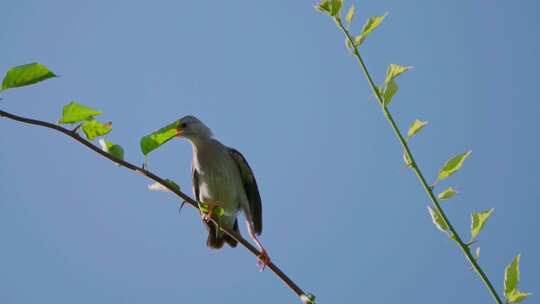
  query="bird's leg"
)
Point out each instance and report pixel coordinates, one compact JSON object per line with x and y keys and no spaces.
{"x":263,"y":259}
{"x":207,"y":217}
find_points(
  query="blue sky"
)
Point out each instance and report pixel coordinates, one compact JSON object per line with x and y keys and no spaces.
{"x":342,"y":215}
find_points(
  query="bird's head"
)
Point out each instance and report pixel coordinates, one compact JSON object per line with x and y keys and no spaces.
{"x":192,"y":128}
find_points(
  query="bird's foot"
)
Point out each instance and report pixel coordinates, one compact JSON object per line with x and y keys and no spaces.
{"x":207,"y":217}
{"x":263,"y":260}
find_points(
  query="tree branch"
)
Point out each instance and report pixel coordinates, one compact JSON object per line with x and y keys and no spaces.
{"x":429,"y":191}
{"x":74,"y":135}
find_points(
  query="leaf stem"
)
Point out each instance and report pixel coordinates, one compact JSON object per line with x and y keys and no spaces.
{"x":429,"y":190}
{"x":186,"y":199}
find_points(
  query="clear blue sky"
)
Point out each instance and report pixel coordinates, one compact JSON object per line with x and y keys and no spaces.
{"x":342,"y":215}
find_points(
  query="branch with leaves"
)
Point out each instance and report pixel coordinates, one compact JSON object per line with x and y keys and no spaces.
{"x":85,"y":118}
{"x":384,"y":94}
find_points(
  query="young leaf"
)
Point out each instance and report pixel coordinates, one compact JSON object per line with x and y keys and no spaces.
{"x":453,"y":165}
{"x":74,"y":112}
{"x":478,"y":220}
{"x":415,"y":127}
{"x":159,"y":187}
{"x":348,"y":44}
{"x":389,"y":91}
{"x":447,"y":194}
{"x":336,"y":7}
{"x":323,"y":6}
{"x":511,"y":280}
{"x":350,"y":15}
{"x":390,"y":87}
{"x":371,"y":24}
{"x":205,"y":208}
{"x":511,"y":275}
{"x":93,"y":128}
{"x":437,"y":219}
{"x":394,"y":70}
{"x":156,"y":139}
{"x":115,"y":150}
{"x":26,"y":74}
{"x":407,"y":160}
{"x":517,"y":296}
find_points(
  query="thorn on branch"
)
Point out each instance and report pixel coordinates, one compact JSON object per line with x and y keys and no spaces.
{"x":180,"y":209}
{"x":76,"y":129}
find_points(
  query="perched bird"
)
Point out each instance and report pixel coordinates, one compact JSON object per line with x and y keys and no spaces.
{"x":222,"y":178}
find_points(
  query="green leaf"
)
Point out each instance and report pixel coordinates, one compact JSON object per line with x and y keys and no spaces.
{"x":447,"y":194}
{"x":205,"y":208}
{"x":511,"y":275}
{"x":371,"y":24}
{"x":113,"y":149}
{"x":26,"y":74}
{"x":478,"y":220}
{"x":389,"y":91}
{"x":517,"y":296}
{"x":350,"y":15}
{"x":336,"y":6}
{"x":74,"y":112}
{"x":323,"y":6}
{"x":511,"y":280}
{"x":394,"y":70}
{"x":390,"y":87}
{"x":93,"y":128}
{"x":437,"y":219}
{"x":415,"y":127}
{"x":158,"y":138}
{"x":453,"y":165}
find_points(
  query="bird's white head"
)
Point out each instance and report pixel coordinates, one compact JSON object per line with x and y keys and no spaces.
{"x":192,"y":128}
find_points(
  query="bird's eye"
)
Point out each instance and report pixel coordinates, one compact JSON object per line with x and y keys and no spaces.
{"x":183,"y":125}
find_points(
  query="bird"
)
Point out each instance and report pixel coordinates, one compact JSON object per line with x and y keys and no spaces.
{"x":221,"y":177}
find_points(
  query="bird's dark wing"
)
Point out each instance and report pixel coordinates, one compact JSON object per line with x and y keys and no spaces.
{"x":195,"y":183}
{"x":251,"y":189}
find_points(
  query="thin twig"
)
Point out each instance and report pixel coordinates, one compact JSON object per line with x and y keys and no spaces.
{"x":74,"y":135}
{"x":429,"y":190}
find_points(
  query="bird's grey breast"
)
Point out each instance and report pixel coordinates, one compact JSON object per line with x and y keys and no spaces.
{"x":219,"y":180}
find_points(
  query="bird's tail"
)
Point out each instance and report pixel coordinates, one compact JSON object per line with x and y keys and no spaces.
{"x":217,"y":238}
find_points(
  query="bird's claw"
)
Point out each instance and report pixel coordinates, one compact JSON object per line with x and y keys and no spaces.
{"x":263,"y":260}
{"x":207,"y":217}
